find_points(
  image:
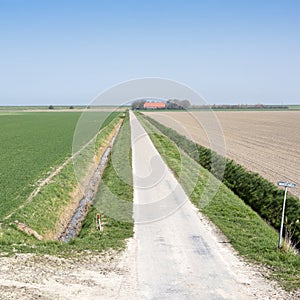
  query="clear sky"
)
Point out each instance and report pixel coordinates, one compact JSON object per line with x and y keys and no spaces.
{"x":68,"y":51}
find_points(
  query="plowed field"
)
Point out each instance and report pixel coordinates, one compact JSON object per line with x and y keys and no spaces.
{"x":264,"y":142}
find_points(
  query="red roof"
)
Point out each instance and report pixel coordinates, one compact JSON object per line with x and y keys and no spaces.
{"x":154,"y":105}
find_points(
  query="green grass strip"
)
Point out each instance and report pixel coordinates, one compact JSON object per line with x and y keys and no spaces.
{"x":115,"y":194}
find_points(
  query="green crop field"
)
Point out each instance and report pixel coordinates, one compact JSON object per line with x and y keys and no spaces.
{"x":32,"y":144}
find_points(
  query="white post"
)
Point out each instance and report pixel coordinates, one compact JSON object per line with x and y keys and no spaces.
{"x":286,"y":185}
{"x":282,"y":219}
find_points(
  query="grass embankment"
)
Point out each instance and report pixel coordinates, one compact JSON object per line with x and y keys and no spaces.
{"x":43,"y":213}
{"x":114,"y":194}
{"x":247,"y":232}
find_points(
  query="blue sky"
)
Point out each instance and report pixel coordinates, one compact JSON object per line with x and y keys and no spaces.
{"x":67,"y":52}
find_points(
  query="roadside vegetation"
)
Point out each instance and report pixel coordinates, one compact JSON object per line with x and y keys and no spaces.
{"x":245,"y":230}
{"x":42,"y":214}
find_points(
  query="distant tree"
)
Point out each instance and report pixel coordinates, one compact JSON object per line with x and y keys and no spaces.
{"x":178,"y":104}
{"x":139,"y":104}
{"x":185,"y":104}
{"x":51,"y":107}
{"x":71,"y":107}
{"x":171,"y":104}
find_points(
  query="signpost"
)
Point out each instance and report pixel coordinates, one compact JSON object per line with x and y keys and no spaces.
{"x":286,"y":185}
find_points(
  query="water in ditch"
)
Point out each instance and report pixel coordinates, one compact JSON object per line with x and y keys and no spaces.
{"x":75,"y":224}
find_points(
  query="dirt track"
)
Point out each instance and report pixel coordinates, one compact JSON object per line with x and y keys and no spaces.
{"x":264,"y":142}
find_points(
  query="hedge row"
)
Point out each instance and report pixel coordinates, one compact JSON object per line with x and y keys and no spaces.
{"x":261,"y":195}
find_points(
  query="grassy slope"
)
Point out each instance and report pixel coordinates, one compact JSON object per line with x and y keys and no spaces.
{"x":31,"y":145}
{"x":247,"y":232}
{"x":43,"y":213}
{"x":116,"y":184}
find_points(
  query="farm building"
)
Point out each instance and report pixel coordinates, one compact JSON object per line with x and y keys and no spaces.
{"x":154,"y":105}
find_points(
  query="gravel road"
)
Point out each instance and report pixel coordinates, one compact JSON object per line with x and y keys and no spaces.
{"x":177,"y":256}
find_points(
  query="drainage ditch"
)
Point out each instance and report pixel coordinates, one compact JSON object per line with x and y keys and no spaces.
{"x":74,"y":226}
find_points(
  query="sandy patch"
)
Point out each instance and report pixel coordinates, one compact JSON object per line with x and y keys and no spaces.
{"x":107,"y":276}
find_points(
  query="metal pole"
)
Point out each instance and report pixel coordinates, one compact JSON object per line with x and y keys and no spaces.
{"x":282,"y":219}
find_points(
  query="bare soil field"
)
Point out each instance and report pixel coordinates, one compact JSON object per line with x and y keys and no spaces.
{"x":264,"y":142}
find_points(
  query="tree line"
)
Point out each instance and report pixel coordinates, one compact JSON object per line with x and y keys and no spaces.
{"x":170,"y":104}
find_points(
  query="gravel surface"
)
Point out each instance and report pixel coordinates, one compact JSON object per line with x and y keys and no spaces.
{"x":107,"y":276}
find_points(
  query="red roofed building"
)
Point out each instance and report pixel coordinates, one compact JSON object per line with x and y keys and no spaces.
{"x":154,"y":105}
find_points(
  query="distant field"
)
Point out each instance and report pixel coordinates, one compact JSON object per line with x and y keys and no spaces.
{"x":294,"y":107}
{"x":31,"y":145}
{"x":75,"y":108}
{"x":264,"y":142}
